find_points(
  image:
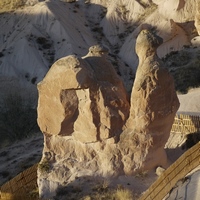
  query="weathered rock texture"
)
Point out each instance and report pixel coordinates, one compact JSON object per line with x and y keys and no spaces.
{"x":197,"y":16}
{"x":83,"y":98}
{"x":82,"y":111}
{"x":82,"y":108}
{"x":154,"y":104}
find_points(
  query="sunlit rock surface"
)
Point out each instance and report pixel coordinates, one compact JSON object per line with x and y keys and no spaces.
{"x":154,"y":104}
{"x":83,"y":110}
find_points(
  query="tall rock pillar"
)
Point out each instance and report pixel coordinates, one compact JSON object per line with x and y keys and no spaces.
{"x":154,"y":104}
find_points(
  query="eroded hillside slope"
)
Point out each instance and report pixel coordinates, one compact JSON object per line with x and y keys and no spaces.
{"x":35,"y":33}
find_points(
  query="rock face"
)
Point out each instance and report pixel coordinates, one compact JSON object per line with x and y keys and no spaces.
{"x":83,"y":98}
{"x":197,"y":16}
{"x":153,"y":106}
{"x":83,"y":110}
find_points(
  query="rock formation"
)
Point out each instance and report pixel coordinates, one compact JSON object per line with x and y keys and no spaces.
{"x":83,"y":110}
{"x":197,"y":16}
{"x":154,"y":104}
{"x":86,"y":95}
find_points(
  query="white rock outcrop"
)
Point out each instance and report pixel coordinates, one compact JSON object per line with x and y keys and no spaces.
{"x":98,"y":21}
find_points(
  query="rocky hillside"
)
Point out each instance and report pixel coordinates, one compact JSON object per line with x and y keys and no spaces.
{"x":97,"y":116}
{"x":35,"y":33}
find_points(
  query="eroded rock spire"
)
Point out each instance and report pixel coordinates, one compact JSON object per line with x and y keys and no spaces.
{"x":154,"y":104}
{"x":83,"y":110}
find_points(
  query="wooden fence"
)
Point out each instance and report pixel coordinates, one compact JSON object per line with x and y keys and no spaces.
{"x":186,"y":124}
{"x":178,"y":170}
{"x":22,"y":187}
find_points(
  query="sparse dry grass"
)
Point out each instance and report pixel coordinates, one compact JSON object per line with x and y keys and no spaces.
{"x":98,"y":191}
{"x":148,"y":11}
{"x":142,"y":174}
{"x":122,"y":11}
{"x":10,"y":5}
{"x":124,"y":194}
{"x":34,"y":194}
{"x":104,"y":192}
{"x":118,"y":194}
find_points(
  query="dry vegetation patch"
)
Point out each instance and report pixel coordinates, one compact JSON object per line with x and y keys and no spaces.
{"x":101,"y":191}
{"x":18,"y":118}
{"x":118,"y":194}
{"x":10,"y":5}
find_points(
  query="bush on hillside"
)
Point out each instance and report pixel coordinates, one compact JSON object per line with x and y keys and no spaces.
{"x":18,"y":118}
{"x":187,"y":77}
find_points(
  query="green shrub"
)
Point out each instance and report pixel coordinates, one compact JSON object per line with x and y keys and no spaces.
{"x":187,"y":77}
{"x":18,"y":118}
{"x":185,"y":68}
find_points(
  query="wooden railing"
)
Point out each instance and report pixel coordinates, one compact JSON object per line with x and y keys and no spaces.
{"x":178,"y":170}
{"x":186,"y":124}
{"x":22,"y":186}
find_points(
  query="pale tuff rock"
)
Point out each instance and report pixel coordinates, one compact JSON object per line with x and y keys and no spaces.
{"x":159,"y":170}
{"x":86,"y":95}
{"x":196,"y":41}
{"x":32,"y":2}
{"x":197,"y":16}
{"x":97,"y":50}
{"x":153,"y":106}
{"x":179,"y":10}
{"x":180,"y":35}
{"x":119,"y":21}
{"x":82,"y":111}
